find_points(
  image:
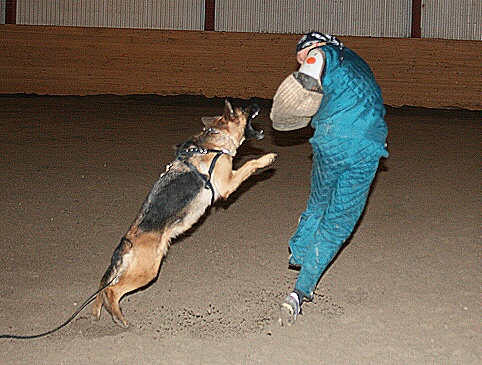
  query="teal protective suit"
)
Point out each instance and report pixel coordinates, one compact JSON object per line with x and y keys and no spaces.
{"x":349,"y":140}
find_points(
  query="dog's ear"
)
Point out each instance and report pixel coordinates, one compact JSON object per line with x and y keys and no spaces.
{"x":227,"y":115}
{"x":228,"y":110}
{"x":209,"y":121}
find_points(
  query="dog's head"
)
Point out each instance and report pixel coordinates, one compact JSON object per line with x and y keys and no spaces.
{"x":236,"y":122}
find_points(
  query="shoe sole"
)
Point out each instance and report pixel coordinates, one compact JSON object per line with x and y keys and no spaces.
{"x":287,"y":315}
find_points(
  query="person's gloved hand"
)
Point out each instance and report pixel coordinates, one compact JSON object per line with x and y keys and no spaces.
{"x":309,"y":73}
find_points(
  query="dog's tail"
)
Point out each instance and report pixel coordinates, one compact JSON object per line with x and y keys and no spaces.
{"x":116,"y":267}
{"x":83,"y":305}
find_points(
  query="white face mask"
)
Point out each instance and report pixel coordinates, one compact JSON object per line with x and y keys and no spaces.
{"x":313,"y":64}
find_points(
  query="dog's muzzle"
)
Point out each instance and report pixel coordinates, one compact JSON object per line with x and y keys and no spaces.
{"x":249,"y":131}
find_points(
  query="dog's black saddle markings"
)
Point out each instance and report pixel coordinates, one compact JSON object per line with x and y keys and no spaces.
{"x":184,"y":154}
{"x":175,"y":189}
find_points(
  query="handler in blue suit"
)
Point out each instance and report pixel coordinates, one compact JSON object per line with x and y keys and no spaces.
{"x":336,"y":91}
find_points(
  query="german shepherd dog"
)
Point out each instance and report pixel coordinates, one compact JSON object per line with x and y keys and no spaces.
{"x":201,"y":174}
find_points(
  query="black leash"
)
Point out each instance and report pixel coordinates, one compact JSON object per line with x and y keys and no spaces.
{"x":17,"y":337}
{"x":182,"y":154}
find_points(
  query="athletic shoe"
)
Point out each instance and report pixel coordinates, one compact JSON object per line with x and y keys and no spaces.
{"x":289,"y":310}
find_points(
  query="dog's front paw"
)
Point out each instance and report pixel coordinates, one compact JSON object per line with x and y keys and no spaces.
{"x":267,"y":159}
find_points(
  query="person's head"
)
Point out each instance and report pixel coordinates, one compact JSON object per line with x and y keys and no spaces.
{"x":312,"y":40}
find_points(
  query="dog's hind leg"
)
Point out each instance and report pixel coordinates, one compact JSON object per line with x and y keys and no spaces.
{"x":110,"y":300}
{"x":112,"y":274}
{"x":138,"y":267}
{"x":97,"y":307}
{"x":114,"y":271}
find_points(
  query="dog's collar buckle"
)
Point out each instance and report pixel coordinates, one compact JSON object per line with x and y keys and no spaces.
{"x":226,"y":151}
{"x":223,"y":151}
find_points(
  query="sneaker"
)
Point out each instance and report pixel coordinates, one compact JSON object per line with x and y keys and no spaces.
{"x":289,"y":310}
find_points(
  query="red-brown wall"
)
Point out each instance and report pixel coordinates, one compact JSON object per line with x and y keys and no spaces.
{"x":80,"y":61}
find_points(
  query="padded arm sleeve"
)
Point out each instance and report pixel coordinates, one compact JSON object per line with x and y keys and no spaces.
{"x":293,"y":105}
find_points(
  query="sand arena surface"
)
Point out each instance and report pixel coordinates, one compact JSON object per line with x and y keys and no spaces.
{"x":75,"y":171}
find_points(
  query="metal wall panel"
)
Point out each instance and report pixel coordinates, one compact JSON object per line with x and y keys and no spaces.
{"x":152,"y":14}
{"x":448,"y":19}
{"x":3,"y":5}
{"x":376,"y":18}
{"x":452,"y":19}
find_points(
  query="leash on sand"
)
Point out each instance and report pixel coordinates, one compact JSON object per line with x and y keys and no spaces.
{"x":206,"y":179}
{"x":70,"y":319}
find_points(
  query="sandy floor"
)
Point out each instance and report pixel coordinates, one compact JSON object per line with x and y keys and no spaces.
{"x":75,"y":170}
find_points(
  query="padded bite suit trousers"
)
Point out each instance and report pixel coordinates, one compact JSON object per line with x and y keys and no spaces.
{"x":343,"y":170}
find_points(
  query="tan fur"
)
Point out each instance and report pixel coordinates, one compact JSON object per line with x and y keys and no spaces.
{"x":141,"y":254}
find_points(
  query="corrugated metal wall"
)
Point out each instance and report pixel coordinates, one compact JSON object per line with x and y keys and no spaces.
{"x":150,"y":14}
{"x":452,"y":19}
{"x":448,"y":19}
{"x":376,"y":18}
{"x":2,"y":11}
